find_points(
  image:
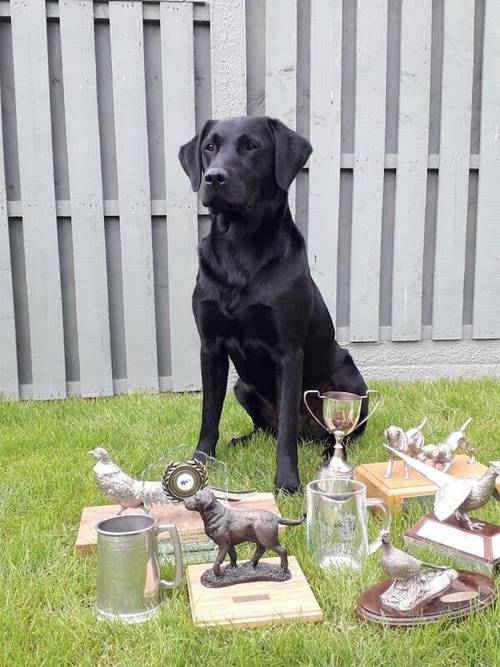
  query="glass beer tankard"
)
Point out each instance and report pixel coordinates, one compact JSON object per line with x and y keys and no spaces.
{"x":337,"y":522}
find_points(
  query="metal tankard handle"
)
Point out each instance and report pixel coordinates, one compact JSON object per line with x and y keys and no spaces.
{"x":172,"y":530}
{"x":377,"y":542}
{"x":368,"y":392}
{"x":314,"y":391}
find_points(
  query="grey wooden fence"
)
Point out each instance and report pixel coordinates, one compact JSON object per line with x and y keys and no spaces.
{"x":400,"y":201}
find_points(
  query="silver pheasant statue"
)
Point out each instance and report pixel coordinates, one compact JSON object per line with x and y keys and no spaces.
{"x":415,"y":582}
{"x":397,"y":564}
{"x":458,"y":496}
{"x":120,"y":488}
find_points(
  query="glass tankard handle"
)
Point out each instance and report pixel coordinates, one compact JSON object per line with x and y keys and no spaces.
{"x":377,"y":502}
{"x":172,"y":530}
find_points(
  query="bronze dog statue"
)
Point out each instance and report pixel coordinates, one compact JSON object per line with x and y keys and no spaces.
{"x":227,"y":527}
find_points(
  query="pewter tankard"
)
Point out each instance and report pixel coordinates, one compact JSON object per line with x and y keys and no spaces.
{"x":128,"y":567}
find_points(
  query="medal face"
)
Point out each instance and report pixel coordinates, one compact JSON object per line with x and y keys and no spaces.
{"x":181,"y":480}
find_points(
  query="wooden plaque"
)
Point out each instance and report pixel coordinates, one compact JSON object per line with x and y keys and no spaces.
{"x":473,"y":547}
{"x":396,"y":489}
{"x":468,"y":593}
{"x":189,"y":524}
{"x":253,"y":604}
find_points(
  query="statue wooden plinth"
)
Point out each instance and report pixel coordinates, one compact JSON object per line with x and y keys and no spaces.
{"x":469,"y":592}
{"x":396,"y":490}
{"x":476,"y":549}
{"x":253,"y":604}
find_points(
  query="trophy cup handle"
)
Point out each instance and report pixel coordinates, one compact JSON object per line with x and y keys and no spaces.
{"x":369,"y":391}
{"x":313,"y":391}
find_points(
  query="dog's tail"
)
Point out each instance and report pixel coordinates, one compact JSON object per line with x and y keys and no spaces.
{"x":291,"y":522}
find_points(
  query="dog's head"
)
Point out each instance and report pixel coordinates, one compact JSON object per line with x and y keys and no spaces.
{"x":200,"y":501}
{"x":242,"y":160}
{"x":394,"y":436}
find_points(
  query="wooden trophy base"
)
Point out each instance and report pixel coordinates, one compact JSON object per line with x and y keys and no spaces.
{"x":253,"y":604}
{"x":470,"y":592}
{"x":476,"y":549}
{"x":189,"y":524}
{"x":397,"y":489}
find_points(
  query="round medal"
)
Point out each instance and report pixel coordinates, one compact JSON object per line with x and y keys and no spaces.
{"x":181,"y":480}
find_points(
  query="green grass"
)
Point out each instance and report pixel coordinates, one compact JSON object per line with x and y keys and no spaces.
{"x":46,"y":593}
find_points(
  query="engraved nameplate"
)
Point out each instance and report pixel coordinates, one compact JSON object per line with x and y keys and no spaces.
{"x":459,"y":596}
{"x":452,"y":537}
{"x":495,"y":546}
{"x":251,"y":598}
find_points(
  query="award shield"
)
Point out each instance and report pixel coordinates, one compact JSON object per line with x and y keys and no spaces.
{"x":181,"y":477}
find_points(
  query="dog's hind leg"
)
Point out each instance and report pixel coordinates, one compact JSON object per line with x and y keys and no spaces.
{"x":232,"y":556}
{"x":242,"y":439}
{"x":348,"y":378}
{"x":257,"y":555}
{"x":282,"y":553}
{"x":256,"y":408}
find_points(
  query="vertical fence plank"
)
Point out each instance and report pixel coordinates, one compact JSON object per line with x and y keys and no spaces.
{"x":451,"y":217}
{"x":324,"y":163}
{"x":281,"y":67}
{"x":368,"y":170}
{"x":9,"y":383}
{"x":411,"y":174}
{"x":486,"y":311}
{"x":127,"y":56}
{"x":176,"y":24}
{"x":87,"y":215}
{"x":36,"y":171}
{"x":228,"y":56}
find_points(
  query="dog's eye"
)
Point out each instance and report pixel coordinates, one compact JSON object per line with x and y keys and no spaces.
{"x":251,"y":146}
{"x":210,"y":146}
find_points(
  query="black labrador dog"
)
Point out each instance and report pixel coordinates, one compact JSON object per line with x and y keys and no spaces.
{"x":255,"y":301}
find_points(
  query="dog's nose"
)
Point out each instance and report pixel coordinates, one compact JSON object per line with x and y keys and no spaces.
{"x":216,"y":176}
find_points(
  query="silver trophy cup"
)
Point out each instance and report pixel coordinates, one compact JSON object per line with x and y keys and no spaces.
{"x":129,"y":585}
{"x":341,"y":411}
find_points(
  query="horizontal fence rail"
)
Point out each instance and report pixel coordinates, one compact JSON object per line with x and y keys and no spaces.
{"x":399,"y":202}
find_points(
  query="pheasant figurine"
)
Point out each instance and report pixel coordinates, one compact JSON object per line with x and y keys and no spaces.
{"x":398,"y":564}
{"x":121,"y":489}
{"x":458,"y":496}
{"x":415,"y":583}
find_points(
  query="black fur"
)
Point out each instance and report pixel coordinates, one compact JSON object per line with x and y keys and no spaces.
{"x":255,"y":301}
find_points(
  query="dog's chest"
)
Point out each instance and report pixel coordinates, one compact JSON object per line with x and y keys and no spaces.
{"x":236,"y":315}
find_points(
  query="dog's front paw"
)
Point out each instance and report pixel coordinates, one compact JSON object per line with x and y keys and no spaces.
{"x":287,"y":484}
{"x":201,"y":455}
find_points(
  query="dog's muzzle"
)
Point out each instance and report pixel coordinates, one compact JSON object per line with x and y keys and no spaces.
{"x":190,"y":503}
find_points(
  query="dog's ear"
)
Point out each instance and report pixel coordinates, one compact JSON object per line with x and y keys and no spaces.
{"x":291,"y":152}
{"x":190,"y":156}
